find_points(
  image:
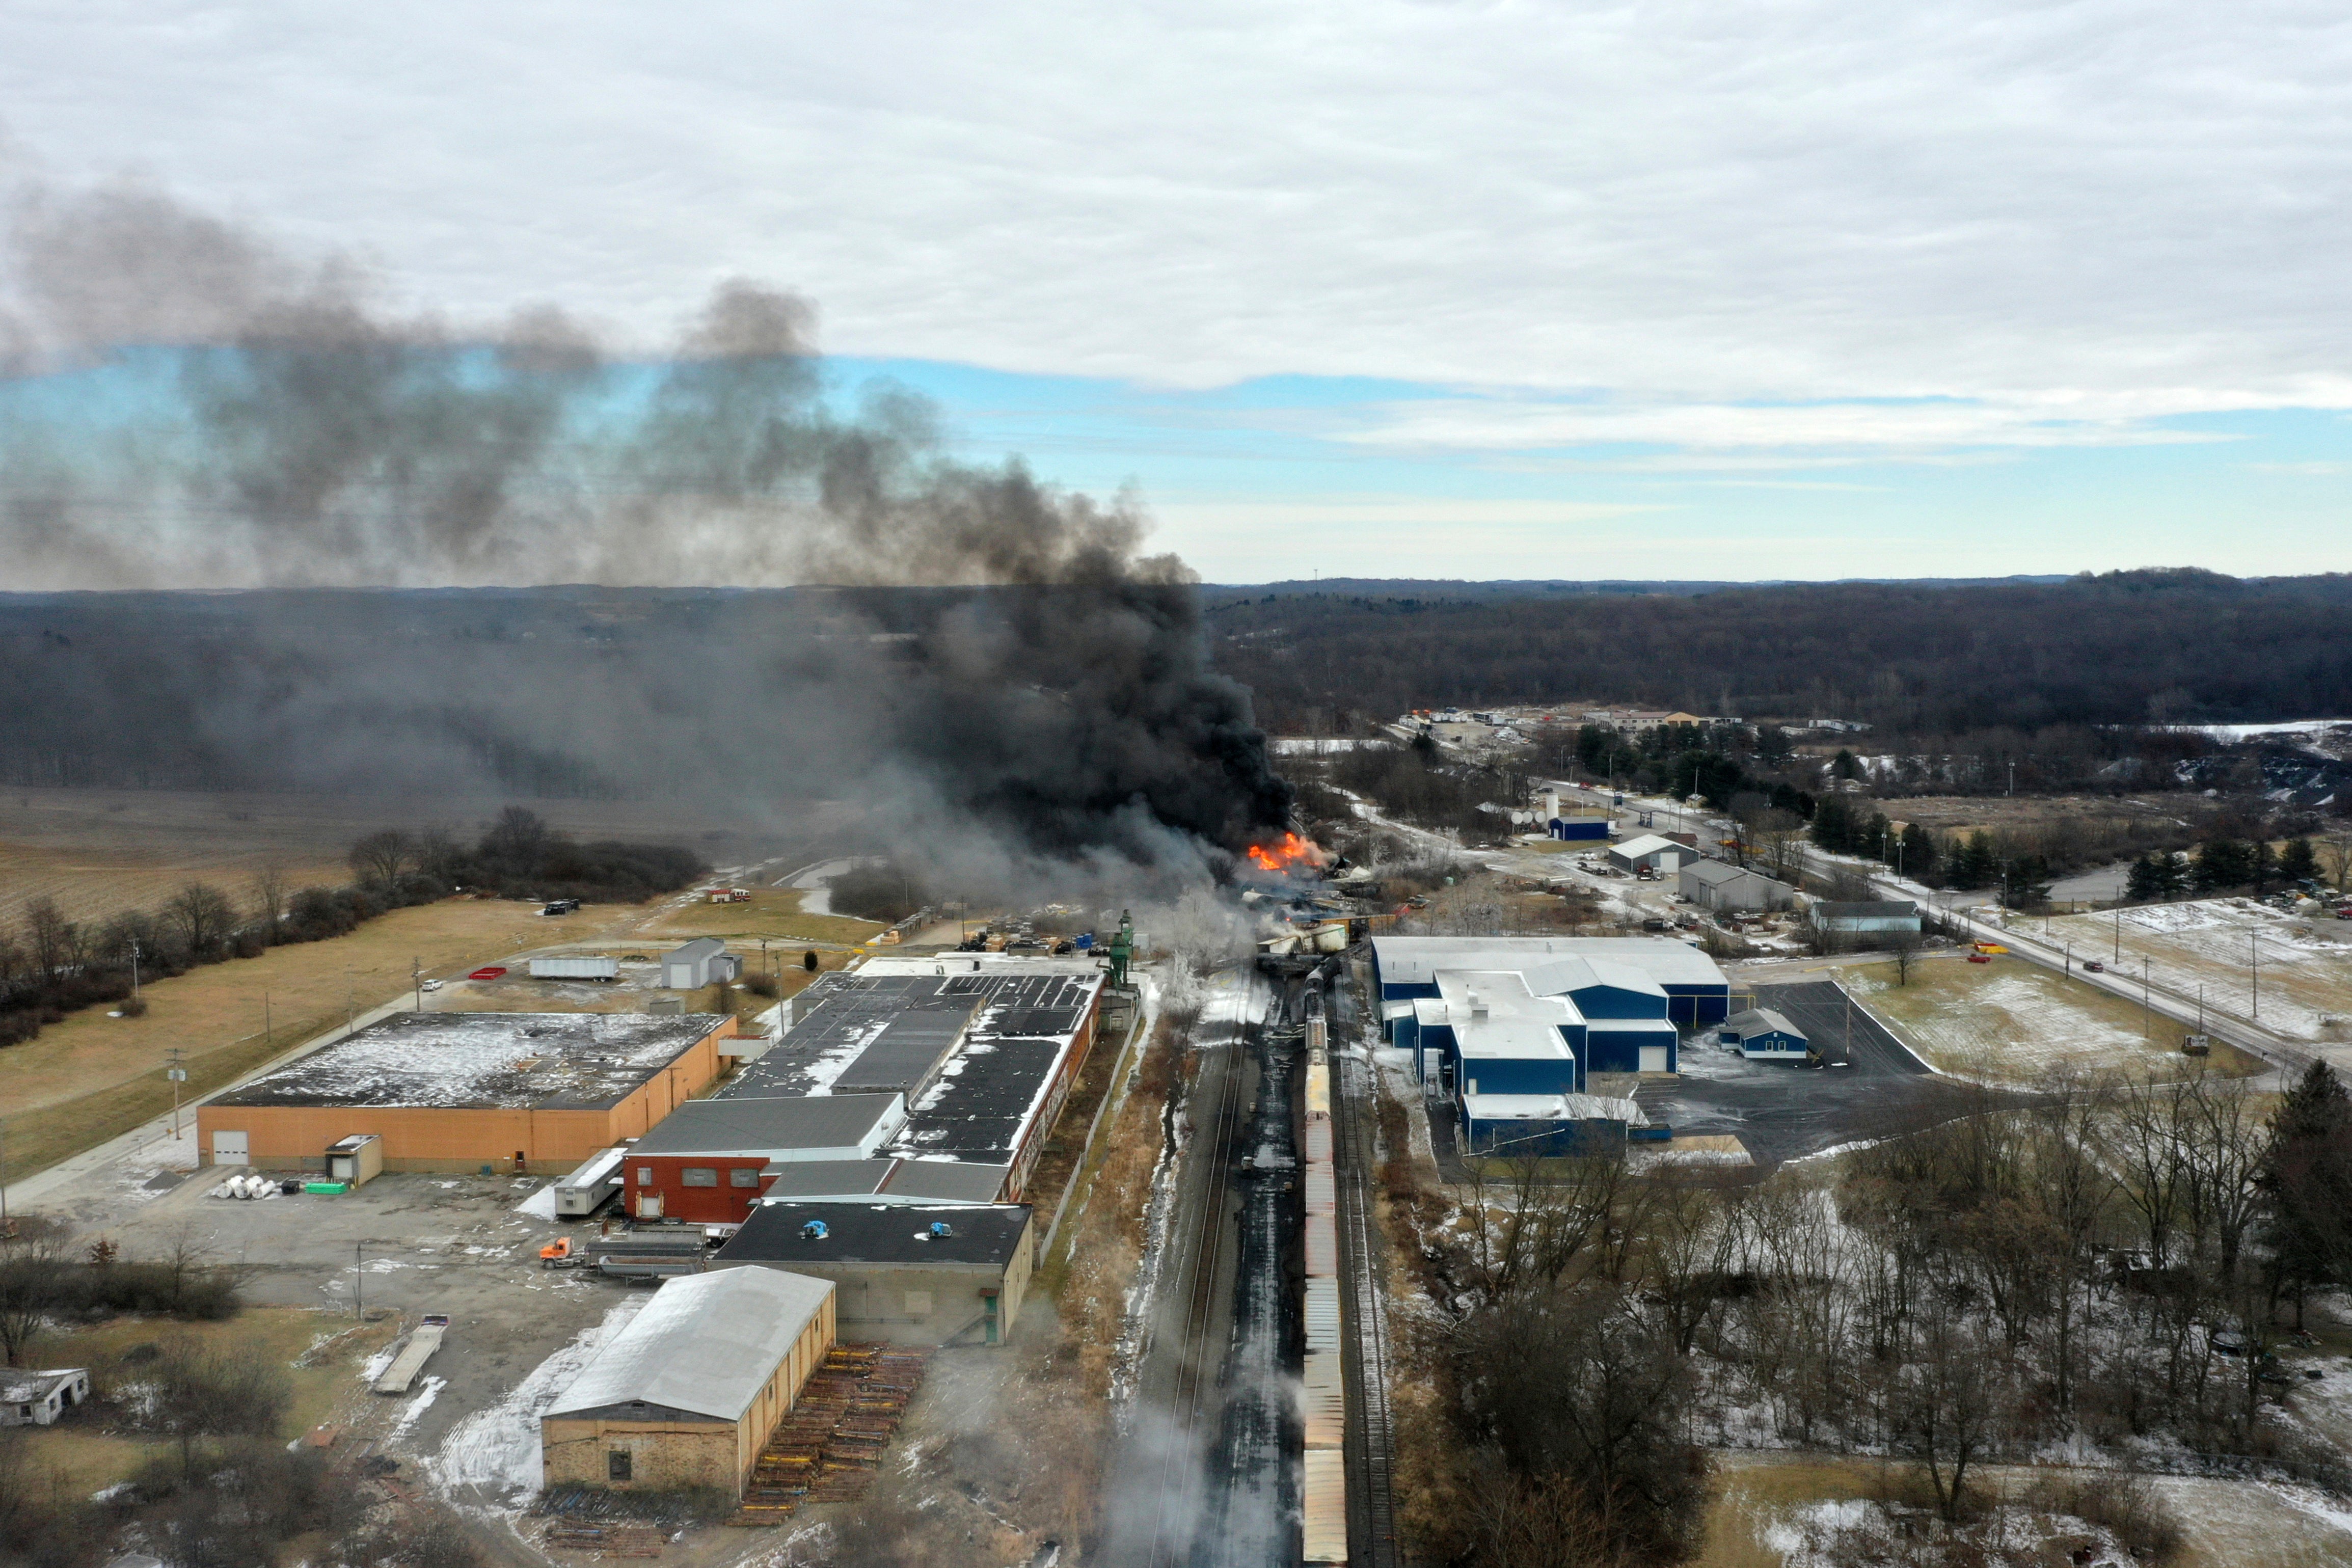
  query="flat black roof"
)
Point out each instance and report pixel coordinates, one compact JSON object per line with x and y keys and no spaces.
{"x":977,"y":1113}
{"x":879,"y":1233}
{"x":762,"y":1126}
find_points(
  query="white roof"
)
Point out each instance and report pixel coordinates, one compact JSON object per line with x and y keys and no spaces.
{"x":1648,"y":844}
{"x":1715,"y":871}
{"x":1553,"y":1108}
{"x":705,"y":1344}
{"x":1415,"y":960}
{"x":1495,"y":1016}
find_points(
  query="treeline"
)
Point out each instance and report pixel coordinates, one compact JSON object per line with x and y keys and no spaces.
{"x":2101,"y":1268}
{"x":50,"y":965}
{"x":2127,"y":648}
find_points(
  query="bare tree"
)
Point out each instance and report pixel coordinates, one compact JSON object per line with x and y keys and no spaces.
{"x":201,"y":916}
{"x":1947,"y":1406}
{"x":226,"y":1392}
{"x":270,"y":891}
{"x":54,"y":942}
{"x":382,"y":857}
{"x":1903,"y":946}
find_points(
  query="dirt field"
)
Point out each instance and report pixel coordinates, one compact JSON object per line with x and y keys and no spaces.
{"x":2305,"y":964}
{"x":1967,"y":813}
{"x":2010,"y":1021}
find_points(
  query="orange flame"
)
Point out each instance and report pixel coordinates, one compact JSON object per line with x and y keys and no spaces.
{"x":1284,"y":853}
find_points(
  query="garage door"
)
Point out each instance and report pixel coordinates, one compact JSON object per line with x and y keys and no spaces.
{"x":1654,"y":1058}
{"x":228,"y":1149}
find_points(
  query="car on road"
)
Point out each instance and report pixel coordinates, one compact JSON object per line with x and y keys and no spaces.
{"x":432,"y":986}
{"x":2094,"y":966}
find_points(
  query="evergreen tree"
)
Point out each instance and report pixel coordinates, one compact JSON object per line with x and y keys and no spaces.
{"x":2308,"y":1180}
{"x":1844,"y":766}
{"x":2151,"y":879}
{"x":1918,"y":861}
{"x":2261,"y":866}
{"x":2222,"y":863}
{"x":1833,"y":824}
{"x":2029,"y":882}
{"x":1973,"y":863}
{"x":2296,"y":863}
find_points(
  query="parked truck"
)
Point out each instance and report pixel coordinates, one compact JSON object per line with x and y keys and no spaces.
{"x":601,"y":969}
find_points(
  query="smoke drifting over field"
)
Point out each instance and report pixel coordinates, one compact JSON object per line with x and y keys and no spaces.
{"x":991,"y":663}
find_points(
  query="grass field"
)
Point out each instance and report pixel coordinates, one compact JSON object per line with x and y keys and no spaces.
{"x":92,"y":884}
{"x":91,"y":1077}
{"x":323,"y":1370}
{"x":2305,"y":964}
{"x":773,"y":914}
{"x":2012,"y":1020}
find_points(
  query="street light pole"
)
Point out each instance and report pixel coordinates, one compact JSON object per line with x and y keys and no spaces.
{"x":2254,"y":958}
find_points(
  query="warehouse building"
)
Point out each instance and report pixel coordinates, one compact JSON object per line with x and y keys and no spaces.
{"x":985,"y":1056}
{"x":907,"y":1274}
{"x":465,"y":1091}
{"x":1726,"y":888}
{"x":703,"y":962}
{"x":684,"y":1396}
{"x":1405,"y":968}
{"x":1651,"y":852}
{"x":709,"y":1161}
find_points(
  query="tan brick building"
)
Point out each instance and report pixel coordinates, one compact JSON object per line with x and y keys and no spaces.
{"x":456,"y":1091}
{"x":912,"y":1274}
{"x":686,"y":1393}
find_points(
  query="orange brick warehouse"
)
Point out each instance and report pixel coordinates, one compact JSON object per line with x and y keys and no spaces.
{"x":456,"y":1091}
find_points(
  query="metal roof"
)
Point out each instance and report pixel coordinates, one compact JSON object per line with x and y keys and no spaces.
{"x":774,"y":1126}
{"x":1717,"y":872}
{"x":536,"y":1061}
{"x":1415,"y":960}
{"x":1760,"y":1020}
{"x":1648,"y":844}
{"x":699,"y":948}
{"x":704,"y":1346}
{"x":1887,"y":908}
{"x":876,"y":1233}
{"x":947,"y":1181}
{"x":826,"y":1178}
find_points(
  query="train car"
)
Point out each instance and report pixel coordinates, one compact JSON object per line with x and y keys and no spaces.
{"x":1323,"y":1489}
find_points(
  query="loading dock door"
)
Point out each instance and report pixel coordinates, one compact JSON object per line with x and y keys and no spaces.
{"x":229,"y":1149}
{"x":1654,"y":1058}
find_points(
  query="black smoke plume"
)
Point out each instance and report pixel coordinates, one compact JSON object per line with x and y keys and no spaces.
{"x":989,"y":664}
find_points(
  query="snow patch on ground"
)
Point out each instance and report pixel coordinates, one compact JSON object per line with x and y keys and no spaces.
{"x":414,"y":1408}
{"x":495,"y":1452}
{"x":540,"y":1205}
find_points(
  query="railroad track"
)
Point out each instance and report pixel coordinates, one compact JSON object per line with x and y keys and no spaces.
{"x":1196,"y":1366}
{"x":1370,"y":1457}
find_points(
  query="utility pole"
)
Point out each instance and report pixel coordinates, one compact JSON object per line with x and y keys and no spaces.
{"x":357,"y":1267}
{"x":351,"y":1003}
{"x":2147,"y":1008}
{"x":134,"y":968}
{"x":2119,"y":933}
{"x":176,"y":1070}
{"x":269,"y":1038}
{"x":2254,"y":959}
{"x":416,"y":981}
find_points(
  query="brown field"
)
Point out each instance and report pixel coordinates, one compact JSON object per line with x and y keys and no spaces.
{"x":89,"y":1458}
{"x":91,"y":1077}
{"x":98,"y":852}
{"x":773,"y":914}
{"x":1967,"y":813}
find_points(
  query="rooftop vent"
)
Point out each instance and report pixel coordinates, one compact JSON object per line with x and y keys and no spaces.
{"x":814,"y":1230}
{"x":941,"y":1230}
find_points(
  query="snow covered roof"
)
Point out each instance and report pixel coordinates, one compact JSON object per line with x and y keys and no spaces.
{"x":1759,"y":1021}
{"x":1714,"y":873}
{"x":1648,"y":844}
{"x":1553,"y":1108}
{"x":776,"y":1236}
{"x":1415,"y":960}
{"x":1495,"y":1016}
{"x":536,"y":1061}
{"x":704,"y":1346}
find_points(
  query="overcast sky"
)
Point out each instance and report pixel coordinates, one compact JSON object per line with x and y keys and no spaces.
{"x":1703,"y":289}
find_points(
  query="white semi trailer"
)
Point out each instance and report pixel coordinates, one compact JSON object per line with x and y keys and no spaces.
{"x":575,"y":968}
{"x":587,"y":1189}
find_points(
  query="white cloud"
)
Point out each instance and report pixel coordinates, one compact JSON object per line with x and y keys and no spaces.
{"x":2119,"y":203}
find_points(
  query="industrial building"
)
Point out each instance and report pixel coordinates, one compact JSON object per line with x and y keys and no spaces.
{"x":709,"y":1161}
{"x":1875,"y":917}
{"x":1651,"y":852}
{"x":907,"y":1274}
{"x":1405,"y":967}
{"x":462,"y":1092}
{"x":984,"y":1053}
{"x":685,"y":1395}
{"x":1723,"y":888}
{"x":1506,"y":1031}
{"x":1760,"y":1033}
{"x":703,"y":962}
